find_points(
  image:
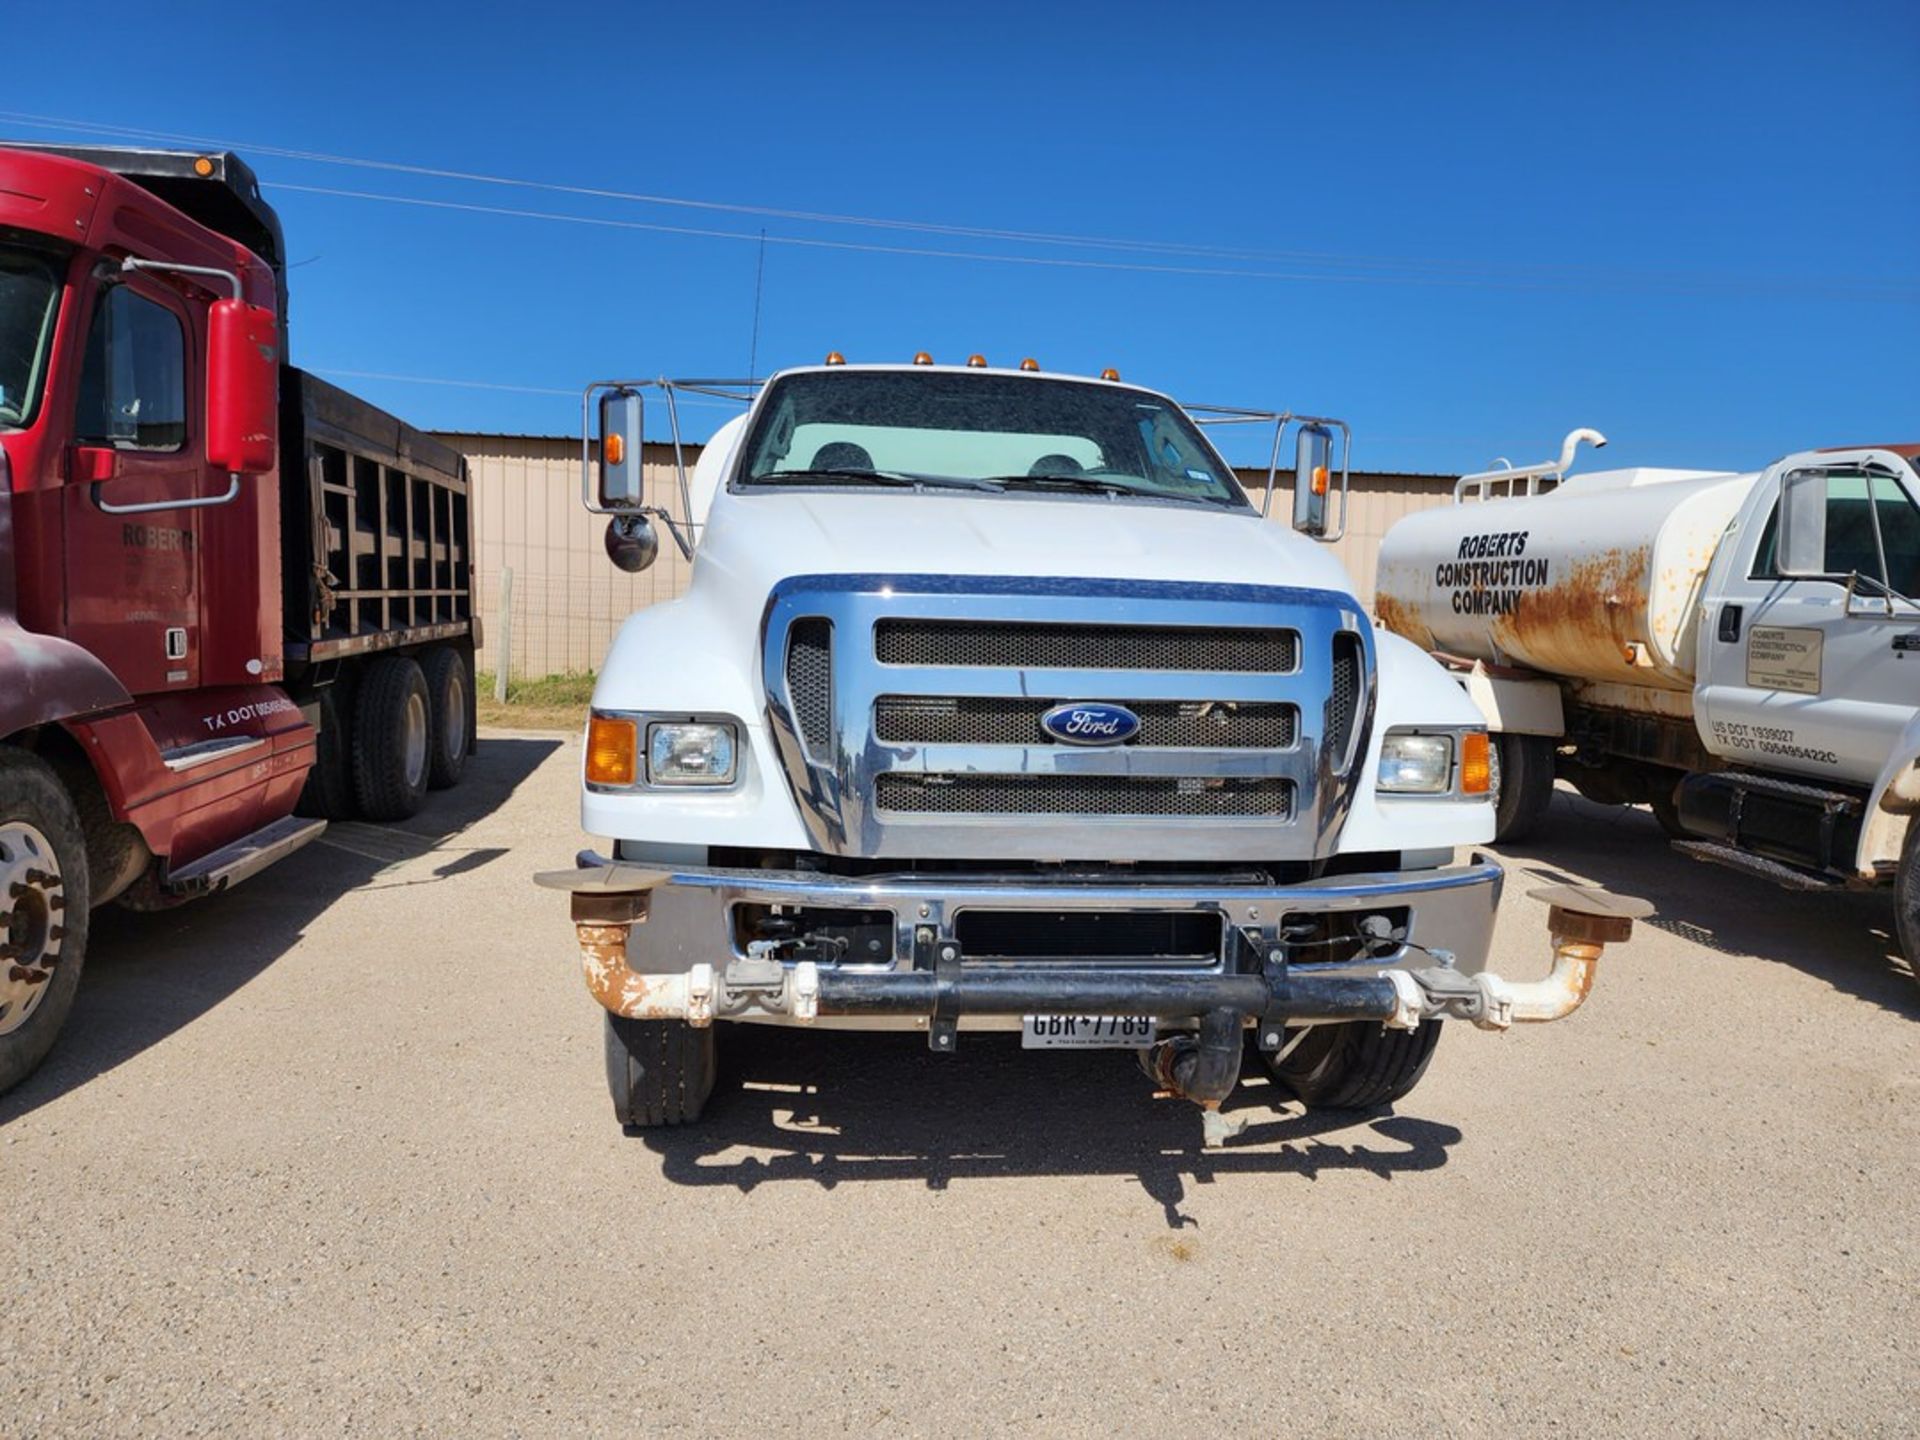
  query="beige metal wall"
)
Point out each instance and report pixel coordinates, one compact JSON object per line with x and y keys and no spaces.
{"x":568,"y":599}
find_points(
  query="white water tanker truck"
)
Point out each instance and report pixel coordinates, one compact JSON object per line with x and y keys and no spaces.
{"x":1741,"y":652}
{"x":995,"y":704}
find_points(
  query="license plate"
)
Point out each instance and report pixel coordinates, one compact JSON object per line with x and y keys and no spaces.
{"x":1085,"y":1032}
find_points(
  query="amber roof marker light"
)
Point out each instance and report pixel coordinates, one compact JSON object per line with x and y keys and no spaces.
{"x":921,"y":357}
{"x":834,"y":357}
{"x":976,"y":362}
{"x":1109,"y":374}
{"x":1029,"y":363}
{"x":203,"y":167}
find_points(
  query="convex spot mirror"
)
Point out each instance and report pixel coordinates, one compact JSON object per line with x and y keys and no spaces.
{"x":632,"y":544}
{"x":621,"y":484}
{"x":243,"y":387}
{"x":1312,"y":478}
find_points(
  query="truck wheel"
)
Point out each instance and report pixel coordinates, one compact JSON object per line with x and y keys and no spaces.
{"x":391,"y":725}
{"x":1358,"y":1065}
{"x":43,"y":912}
{"x":449,"y":689}
{"x":328,"y":794}
{"x":660,"y":1072}
{"x":1522,"y":785}
{"x":1906,"y":898}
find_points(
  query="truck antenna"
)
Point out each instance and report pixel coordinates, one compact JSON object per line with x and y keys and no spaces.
{"x":759,"y":274}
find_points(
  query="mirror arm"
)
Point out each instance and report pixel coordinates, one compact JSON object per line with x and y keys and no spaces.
{"x":167,"y":267}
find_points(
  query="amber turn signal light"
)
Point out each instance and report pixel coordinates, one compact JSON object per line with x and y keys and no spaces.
{"x":616,"y":444}
{"x":1476,"y":764}
{"x":1319,"y":479}
{"x":613,"y":750}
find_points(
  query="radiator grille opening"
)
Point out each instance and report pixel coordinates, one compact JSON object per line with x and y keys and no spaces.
{"x":810,"y":682}
{"x":1116,"y":795}
{"x":1015,"y":720}
{"x":1021,"y":645}
{"x":1108,"y":937}
{"x":1343,"y":706}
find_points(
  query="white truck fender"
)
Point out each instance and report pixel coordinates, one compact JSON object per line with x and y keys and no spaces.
{"x":1894,"y":803}
{"x":1413,"y":690}
{"x":1516,"y":704}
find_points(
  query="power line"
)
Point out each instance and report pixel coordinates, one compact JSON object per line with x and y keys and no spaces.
{"x":1409,"y":269}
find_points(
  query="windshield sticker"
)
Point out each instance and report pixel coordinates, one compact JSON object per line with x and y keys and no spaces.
{"x":1784,"y":659}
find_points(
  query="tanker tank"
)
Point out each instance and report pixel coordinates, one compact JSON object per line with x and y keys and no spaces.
{"x":1596,"y":580}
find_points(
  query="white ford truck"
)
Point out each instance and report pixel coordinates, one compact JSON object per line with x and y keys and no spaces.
{"x":994,"y":703}
{"x":1741,"y":652}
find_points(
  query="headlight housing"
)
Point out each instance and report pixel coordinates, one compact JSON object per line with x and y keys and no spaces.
{"x":691,"y":752}
{"x":1443,"y":763}
{"x":1412,"y":764}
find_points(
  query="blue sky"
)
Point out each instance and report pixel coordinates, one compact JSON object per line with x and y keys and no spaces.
{"x":1466,"y":229}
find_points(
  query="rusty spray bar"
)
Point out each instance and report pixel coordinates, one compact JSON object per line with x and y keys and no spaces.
{"x":1581,"y":922}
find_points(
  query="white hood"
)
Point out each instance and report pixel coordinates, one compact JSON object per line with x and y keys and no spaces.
{"x":756,"y":540}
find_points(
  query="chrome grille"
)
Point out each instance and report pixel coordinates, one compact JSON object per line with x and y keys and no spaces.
{"x":1015,"y":720}
{"x":1019,"y":645}
{"x":810,"y":681}
{"x":1069,"y":794}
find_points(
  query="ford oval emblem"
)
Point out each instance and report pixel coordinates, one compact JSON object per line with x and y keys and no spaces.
{"x":1091,"y":722}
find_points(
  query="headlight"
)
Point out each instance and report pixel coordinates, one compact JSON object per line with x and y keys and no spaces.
{"x":1416,"y":764}
{"x":691,"y":753}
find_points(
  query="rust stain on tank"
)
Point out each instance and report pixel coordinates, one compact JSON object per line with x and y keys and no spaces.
{"x":1403,"y":620}
{"x":1582,"y":624}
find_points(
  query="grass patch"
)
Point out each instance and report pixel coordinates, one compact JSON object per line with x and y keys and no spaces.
{"x":555,"y":702}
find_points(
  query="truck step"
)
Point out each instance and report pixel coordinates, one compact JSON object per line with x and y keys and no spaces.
{"x":246,"y":856}
{"x":1787,"y":876}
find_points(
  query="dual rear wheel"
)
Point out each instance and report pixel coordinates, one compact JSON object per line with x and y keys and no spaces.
{"x":396,"y":729}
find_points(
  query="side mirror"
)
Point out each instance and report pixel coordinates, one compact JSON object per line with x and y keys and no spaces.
{"x":1312,"y":479}
{"x":243,"y":387}
{"x":621,"y":483}
{"x":1800,"y":543}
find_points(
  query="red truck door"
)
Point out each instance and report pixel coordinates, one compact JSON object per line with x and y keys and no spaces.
{"x":132,"y":558}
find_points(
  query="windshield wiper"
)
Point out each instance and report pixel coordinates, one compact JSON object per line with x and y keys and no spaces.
{"x":836,"y":475}
{"x":1093,"y":485}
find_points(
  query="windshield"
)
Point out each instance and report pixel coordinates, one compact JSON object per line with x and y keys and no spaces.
{"x":29,"y":299}
{"x":940,"y":430}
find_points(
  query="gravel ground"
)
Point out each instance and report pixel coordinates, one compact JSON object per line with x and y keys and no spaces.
{"x":333,"y":1154}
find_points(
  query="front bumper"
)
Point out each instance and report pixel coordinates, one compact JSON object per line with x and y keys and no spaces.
{"x":659,"y":945}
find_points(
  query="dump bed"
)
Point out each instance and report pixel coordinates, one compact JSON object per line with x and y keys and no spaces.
{"x":376,"y":527}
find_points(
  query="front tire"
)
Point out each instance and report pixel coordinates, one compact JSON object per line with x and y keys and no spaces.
{"x":44,"y":904}
{"x":392,"y":725}
{"x":1523,"y":785}
{"x":660,"y":1072}
{"x":1358,"y":1065}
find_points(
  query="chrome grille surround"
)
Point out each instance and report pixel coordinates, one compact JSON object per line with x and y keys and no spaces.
{"x":838,"y":791}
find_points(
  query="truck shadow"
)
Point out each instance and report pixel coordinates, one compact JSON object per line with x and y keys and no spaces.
{"x":832,"y":1109}
{"x":1844,"y":938}
{"x":149,"y":975}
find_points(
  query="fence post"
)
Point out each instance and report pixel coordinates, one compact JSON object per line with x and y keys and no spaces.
{"x":503,"y":660}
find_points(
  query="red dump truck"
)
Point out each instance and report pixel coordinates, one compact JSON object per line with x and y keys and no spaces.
{"x":235,"y":602}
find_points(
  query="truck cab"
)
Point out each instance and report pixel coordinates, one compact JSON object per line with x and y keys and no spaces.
{"x":996,"y":703}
